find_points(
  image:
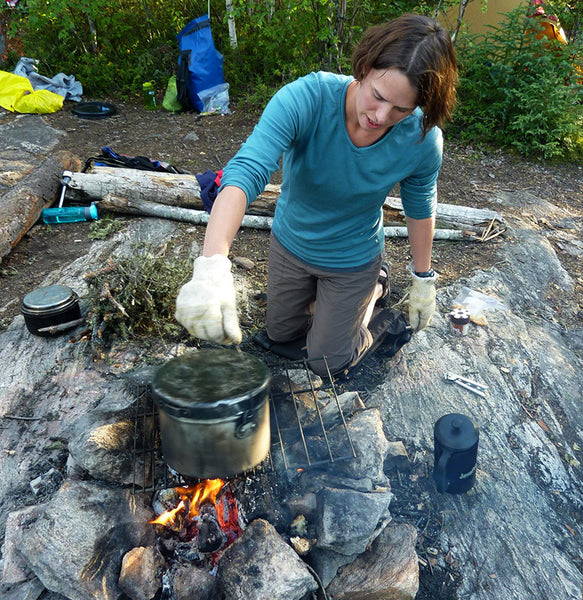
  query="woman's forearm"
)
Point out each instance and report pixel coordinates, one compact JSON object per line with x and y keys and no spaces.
{"x":224,"y":221}
{"x":420,"y":233}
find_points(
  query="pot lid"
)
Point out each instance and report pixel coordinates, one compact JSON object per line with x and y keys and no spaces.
{"x":214,"y":382}
{"x":456,"y":432}
{"x":94,"y":110}
{"x":49,"y":298}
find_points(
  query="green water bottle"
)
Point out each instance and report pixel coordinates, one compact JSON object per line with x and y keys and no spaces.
{"x":149,"y":95}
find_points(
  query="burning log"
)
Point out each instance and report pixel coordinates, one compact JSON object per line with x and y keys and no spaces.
{"x":210,"y":536}
{"x":205,"y":517}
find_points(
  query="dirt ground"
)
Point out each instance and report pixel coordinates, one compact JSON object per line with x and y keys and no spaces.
{"x":469,"y":176}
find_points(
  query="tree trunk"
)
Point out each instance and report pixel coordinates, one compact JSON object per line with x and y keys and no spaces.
{"x":461,"y":11}
{"x":231,"y":22}
{"x":162,"y":188}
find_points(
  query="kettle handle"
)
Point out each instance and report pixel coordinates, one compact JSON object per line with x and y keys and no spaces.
{"x":439,"y":474}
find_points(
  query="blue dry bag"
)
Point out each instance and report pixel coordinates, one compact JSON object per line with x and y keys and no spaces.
{"x":200,"y":65}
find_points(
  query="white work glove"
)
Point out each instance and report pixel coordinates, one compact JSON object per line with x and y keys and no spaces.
{"x":206,"y":305}
{"x":421,"y":300}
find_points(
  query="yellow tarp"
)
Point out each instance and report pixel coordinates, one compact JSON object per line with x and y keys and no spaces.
{"x":18,"y":95}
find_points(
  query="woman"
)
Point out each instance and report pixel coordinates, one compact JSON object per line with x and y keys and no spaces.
{"x":346,"y":141}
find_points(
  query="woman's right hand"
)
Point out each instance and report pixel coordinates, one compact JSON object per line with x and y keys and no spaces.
{"x":206,"y":305}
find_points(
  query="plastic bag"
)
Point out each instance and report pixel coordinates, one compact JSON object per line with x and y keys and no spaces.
{"x":476,"y":303}
{"x":216,"y":99}
{"x":18,"y":95}
{"x":170,"y":101}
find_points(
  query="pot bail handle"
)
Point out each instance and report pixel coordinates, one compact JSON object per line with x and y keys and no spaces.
{"x":439,"y":472}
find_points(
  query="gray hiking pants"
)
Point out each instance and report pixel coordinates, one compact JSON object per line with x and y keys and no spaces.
{"x":325,"y":306}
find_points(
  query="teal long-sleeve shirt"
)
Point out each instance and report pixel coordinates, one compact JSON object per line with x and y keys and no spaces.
{"x":329,"y":212}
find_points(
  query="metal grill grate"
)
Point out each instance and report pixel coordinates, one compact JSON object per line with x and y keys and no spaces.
{"x":297,"y":442}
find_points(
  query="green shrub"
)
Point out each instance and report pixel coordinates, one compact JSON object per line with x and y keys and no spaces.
{"x":519,"y":92}
{"x":110,"y":47}
{"x":113,"y":46}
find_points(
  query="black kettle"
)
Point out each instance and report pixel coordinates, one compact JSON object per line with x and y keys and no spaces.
{"x":455,"y":439}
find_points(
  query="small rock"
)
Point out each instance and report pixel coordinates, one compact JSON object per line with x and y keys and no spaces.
{"x":396,"y":456}
{"x":301,"y":545}
{"x":188,"y":578}
{"x":244,"y":263}
{"x":141,"y":571}
{"x":191,"y":137}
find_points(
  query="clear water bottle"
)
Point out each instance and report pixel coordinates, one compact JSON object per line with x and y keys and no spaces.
{"x":149,"y":95}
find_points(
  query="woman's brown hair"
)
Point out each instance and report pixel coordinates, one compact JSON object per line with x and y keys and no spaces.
{"x":422,"y":50}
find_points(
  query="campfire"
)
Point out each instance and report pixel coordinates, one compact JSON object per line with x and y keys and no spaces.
{"x":205,"y":516}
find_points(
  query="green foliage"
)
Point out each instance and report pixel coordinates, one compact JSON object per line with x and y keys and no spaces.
{"x":520,"y":92}
{"x":112,"y":46}
{"x":104,"y":227}
{"x":280,"y":41}
{"x":514,"y":91}
{"x":136,"y":297}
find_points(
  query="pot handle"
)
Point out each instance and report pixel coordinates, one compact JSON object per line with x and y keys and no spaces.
{"x":439,"y":473}
{"x":246,"y":424}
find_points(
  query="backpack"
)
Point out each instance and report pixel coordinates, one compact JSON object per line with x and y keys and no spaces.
{"x":109,"y":158}
{"x":200,"y":65}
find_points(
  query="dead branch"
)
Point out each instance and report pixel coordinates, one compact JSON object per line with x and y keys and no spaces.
{"x":61,"y":326}
{"x":106,"y":293}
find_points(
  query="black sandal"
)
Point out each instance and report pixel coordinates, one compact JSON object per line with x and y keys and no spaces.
{"x":383,"y":301}
{"x":294,"y":350}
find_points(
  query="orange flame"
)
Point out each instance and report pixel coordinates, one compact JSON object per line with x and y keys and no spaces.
{"x":191,"y":498}
{"x":167,"y":518}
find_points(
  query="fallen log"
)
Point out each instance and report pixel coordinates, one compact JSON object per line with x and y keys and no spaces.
{"x":464,"y":215}
{"x":438,"y":234}
{"x":175,"y":213}
{"x":171,"y":189}
{"x":184,"y":191}
{"x":200,"y":217}
{"x":168,"y":188}
{"x":22,"y":204}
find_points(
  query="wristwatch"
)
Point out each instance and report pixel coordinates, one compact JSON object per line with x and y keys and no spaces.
{"x":430,"y":273}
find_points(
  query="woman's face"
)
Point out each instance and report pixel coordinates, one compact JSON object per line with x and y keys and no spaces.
{"x":383,"y":98}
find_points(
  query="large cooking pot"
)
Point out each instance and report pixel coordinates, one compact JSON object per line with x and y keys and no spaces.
{"x":214,"y":412}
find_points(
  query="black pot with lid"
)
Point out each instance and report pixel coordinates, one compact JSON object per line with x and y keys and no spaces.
{"x":455,"y":438}
{"x":48,"y":306}
{"x":214,"y":412}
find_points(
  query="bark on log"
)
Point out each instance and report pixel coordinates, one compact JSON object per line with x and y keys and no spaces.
{"x":22,"y":205}
{"x":166,"y":188}
{"x":438,"y":234}
{"x":183,"y":190}
{"x":176,"y":213}
{"x":453,"y":213}
{"x":171,"y":189}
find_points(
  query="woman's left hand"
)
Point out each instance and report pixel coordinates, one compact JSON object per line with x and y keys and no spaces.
{"x":421,"y":301}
